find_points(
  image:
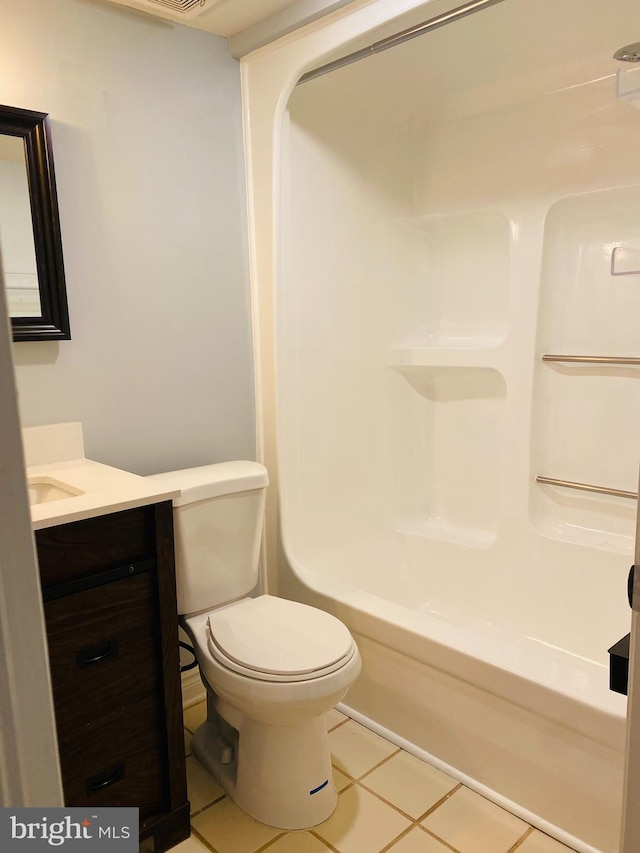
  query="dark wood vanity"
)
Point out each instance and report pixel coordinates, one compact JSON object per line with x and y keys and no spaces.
{"x":108,"y":586}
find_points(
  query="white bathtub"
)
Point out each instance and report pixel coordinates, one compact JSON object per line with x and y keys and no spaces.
{"x":526,"y":723}
{"x":424,"y":230}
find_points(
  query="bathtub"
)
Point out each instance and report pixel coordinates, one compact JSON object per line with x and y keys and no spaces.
{"x":526,"y":723}
{"x":421,"y":237}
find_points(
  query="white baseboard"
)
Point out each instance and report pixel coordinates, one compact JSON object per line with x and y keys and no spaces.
{"x":192,"y":688}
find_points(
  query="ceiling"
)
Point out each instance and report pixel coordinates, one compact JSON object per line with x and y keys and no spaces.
{"x":229,"y":17}
{"x":248,"y":24}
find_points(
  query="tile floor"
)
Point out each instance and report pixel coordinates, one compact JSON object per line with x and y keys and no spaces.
{"x":389,"y":801}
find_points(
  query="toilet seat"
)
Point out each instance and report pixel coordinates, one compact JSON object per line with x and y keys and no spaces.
{"x":274,"y":639}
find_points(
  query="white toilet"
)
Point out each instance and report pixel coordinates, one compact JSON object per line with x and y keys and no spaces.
{"x":272,"y":667}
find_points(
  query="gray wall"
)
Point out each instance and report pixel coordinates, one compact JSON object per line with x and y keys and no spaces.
{"x":147,"y":139}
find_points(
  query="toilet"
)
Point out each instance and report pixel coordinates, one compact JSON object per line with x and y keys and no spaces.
{"x":272,"y":668}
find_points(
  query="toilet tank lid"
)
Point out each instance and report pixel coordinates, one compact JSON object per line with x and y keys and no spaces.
{"x":213,"y":481}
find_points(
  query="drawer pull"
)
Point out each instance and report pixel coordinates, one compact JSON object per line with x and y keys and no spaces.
{"x":93,"y":654}
{"x":50,"y":593}
{"x":102,"y":780}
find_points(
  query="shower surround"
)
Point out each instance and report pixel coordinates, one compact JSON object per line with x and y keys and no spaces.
{"x":447,"y":213}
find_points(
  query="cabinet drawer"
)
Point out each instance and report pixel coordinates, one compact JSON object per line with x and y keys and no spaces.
{"x":103,"y":650}
{"x":118,"y":761}
{"x":82,"y":548}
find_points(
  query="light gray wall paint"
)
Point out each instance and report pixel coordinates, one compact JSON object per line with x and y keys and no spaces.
{"x":147,"y":139}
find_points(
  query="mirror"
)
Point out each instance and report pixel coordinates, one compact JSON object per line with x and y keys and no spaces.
{"x":30,"y":241}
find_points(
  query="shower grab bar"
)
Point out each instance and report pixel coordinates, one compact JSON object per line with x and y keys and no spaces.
{"x":400,"y":38}
{"x":586,"y":487}
{"x":592,"y":359}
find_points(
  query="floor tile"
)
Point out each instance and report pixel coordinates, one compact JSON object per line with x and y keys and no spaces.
{"x":538,"y":842}
{"x":340,"y":780}
{"x":355,"y":750}
{"x":418,"y":841}
{"x":408,"y":783}
{"x":297,"y":842}
{"x":334,"y":718}
{"x":202,"y":788}
{"x":361,"y":823}
{"x":191,"y":845}
{"x":229,"y":830}
{"x":472,"y":824}
{"x":195,"y":715}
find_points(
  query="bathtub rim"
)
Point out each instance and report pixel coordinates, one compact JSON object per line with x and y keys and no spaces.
{"x":602,"y":719}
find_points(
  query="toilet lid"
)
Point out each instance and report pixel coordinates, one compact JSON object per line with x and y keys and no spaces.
{"x":275,"y":637}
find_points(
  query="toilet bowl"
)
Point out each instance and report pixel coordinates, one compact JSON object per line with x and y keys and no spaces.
{"x":272,"y":668}
{"x":276,"y":702}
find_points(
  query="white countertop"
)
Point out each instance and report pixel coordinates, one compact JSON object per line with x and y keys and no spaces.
{"x":106,"y":490}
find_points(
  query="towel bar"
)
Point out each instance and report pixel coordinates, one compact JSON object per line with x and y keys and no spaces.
{"x":586,"y":487}
{"x":593,"y":359}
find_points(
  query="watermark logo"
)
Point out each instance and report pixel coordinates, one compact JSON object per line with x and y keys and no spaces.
{"x":105,"y":830}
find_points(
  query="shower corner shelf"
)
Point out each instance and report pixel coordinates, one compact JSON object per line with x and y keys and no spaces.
{"x":602,"y":517}
{"x":484,"y":352}
{"x":587,"y":537}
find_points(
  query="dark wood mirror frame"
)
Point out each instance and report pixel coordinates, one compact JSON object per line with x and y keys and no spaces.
{"x":34,"y":129}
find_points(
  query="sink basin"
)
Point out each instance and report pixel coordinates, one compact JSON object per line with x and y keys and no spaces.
{"x":45,"y":489}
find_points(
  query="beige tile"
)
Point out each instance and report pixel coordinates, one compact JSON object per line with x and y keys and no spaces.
{"x":334,"y":718}
{"x":202,"y":788}
{"x":229,"y":830}
{"x":187,"y":742}
{"x":538,"y":842}
{"x":297,"y":842}
{"x":361,"y":822}
{"x":409,"y":783}
{"x":195,"y":715}
{"x":418,"y":841}
{"x":191,"y":845}
{"x":355,"y":750}
{"x":340,"y":780}
{"x":472,"y":824}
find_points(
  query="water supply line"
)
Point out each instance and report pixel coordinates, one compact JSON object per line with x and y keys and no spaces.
{"x":192,"y":663}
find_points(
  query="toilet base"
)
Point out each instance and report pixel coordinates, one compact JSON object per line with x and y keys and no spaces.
{"x":279,"y":775}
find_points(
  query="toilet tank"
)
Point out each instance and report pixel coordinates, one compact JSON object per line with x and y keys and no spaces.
{"x":218,"y":527}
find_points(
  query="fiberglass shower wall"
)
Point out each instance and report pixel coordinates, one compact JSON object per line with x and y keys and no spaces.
{"x":451,"y":211}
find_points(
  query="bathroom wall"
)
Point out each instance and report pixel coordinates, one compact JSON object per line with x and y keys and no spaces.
{"x":147,"y":138}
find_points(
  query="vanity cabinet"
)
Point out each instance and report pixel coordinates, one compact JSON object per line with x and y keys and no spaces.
{"x":108,"y":586}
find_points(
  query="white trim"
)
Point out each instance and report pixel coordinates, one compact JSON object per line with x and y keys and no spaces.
{"x":488,"y":793}
{"x":29,"y":769}
{"x":192,"y":688}
{"x":281,"y":23}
